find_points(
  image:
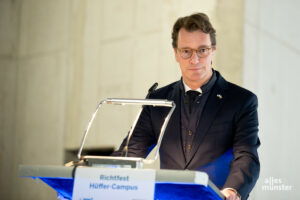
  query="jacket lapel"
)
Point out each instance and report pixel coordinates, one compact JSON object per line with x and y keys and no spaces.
{"x":213,"y":104}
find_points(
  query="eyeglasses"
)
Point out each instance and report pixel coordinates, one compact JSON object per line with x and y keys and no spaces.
{"x":201,"y":52}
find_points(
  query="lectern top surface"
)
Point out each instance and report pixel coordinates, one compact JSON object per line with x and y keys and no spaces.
{"x":56,"y":176}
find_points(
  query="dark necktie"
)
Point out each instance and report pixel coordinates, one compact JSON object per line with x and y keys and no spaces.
{"x":192,"y":94}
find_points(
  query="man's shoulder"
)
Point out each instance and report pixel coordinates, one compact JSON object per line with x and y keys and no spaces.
{"x":237,"y":91}
{"x":240,"y":94}
{"x":240,"y":90}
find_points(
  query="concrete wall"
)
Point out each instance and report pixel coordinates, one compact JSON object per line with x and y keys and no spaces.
{"x":59,"y":58}
{"x":33,"y":71}
{"x":271,"y":69}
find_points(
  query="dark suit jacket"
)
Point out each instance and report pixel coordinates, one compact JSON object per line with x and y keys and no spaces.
{"x":225,"y":143}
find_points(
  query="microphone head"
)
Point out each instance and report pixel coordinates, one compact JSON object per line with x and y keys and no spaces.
{"x":153,"y":87}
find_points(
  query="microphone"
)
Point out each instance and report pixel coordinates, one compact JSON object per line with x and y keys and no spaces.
{"x":125,"y":148}
{"x":151,"y":89}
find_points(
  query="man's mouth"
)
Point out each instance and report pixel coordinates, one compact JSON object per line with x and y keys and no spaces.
{"x":194,"y":68}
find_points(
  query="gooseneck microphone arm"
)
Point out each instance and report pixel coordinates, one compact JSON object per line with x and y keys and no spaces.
{"x":125,"y":148}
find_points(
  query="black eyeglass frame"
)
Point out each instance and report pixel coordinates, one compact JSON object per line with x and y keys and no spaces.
{"x":201,"y":52}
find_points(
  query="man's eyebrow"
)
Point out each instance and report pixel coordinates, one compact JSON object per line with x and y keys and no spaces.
{"x":184,"y":47}
{"x":203,"y":46}
{"x":200,"y":47}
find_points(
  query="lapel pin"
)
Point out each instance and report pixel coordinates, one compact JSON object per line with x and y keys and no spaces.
{"x":219,"y":96}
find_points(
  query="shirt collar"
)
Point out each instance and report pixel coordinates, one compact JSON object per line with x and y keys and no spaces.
{"x":187,"y":88}
{"x":205,"y":88}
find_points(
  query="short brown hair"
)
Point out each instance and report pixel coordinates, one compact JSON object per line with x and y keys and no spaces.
{"x":194,"y":22}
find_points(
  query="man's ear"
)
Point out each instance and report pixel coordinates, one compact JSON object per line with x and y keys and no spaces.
{"x":176,"y":54}
{"x":214,"y":48}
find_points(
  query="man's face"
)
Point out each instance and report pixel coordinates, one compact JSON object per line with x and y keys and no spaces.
{"x":194,"y":69}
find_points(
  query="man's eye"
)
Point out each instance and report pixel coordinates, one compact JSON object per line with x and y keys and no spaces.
{"x":202,"y":50}
{"x":187,"y":51}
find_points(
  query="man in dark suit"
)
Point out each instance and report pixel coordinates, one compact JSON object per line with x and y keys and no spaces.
{"x":215,"y":124}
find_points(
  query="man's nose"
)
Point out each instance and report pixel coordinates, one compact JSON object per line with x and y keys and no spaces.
{"x":194,"y":59}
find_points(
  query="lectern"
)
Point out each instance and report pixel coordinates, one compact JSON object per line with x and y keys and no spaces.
{"x":169,"y":184}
